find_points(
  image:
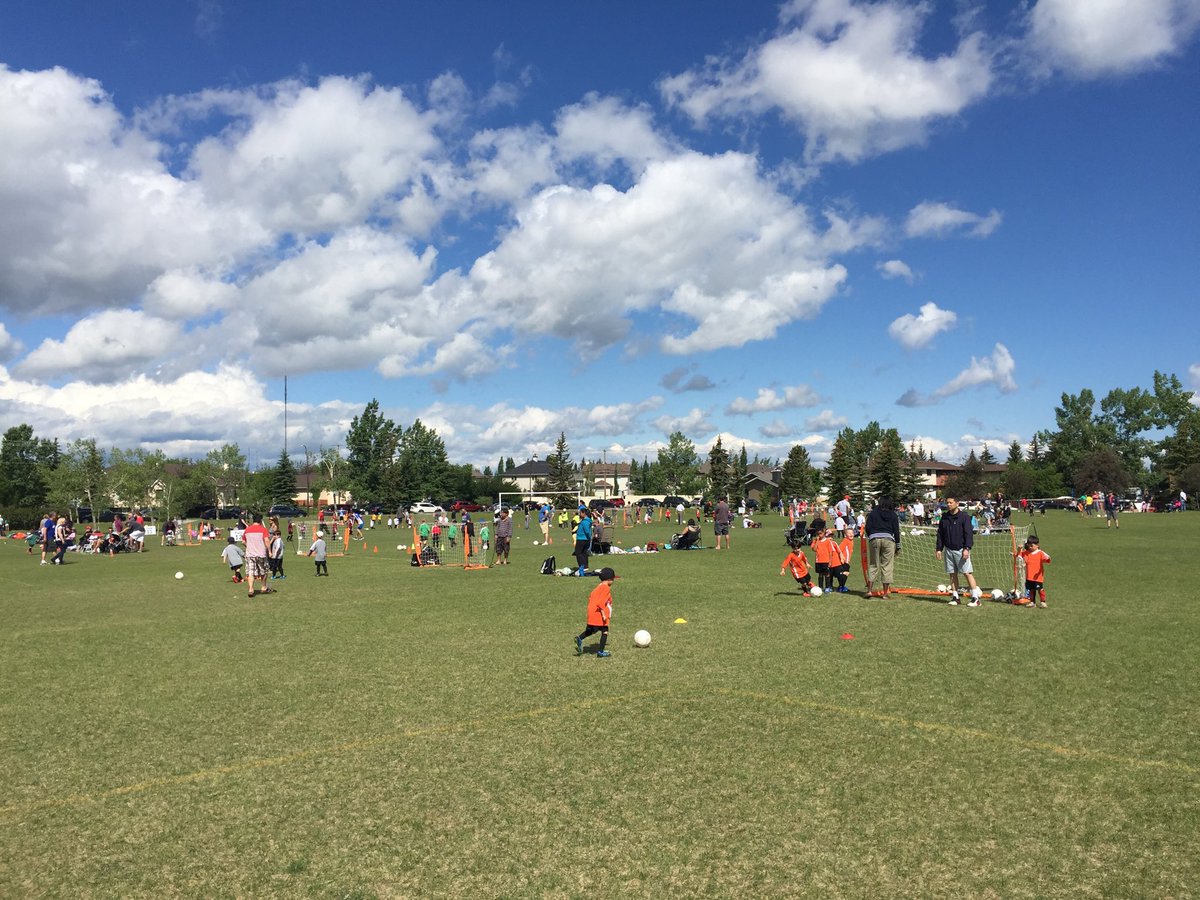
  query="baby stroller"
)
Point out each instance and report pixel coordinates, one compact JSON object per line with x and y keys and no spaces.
{"x":798,"y":535}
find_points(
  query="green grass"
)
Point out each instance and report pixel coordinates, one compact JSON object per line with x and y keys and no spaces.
{"x":389,"y":731}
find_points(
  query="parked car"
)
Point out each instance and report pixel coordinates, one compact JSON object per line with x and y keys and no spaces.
{"x":287,"y":511}
{"x":648,"y":501}
{"x":598,"y":504}
{"x":214,"y":512}
{"x":617,"y":501}
{"x":424,"y":506}
{"x":465,"y":506}
{"x":675,"y":501}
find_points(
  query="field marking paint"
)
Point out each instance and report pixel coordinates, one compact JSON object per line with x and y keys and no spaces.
{"x":964,"y":732}
{"x":250,"y":765}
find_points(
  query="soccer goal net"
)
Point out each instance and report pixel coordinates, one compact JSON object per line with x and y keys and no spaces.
{"x":455,"y":545}
{"x":919,"y":571}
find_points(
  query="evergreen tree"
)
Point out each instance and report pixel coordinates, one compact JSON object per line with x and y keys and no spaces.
{"x":283,"y":486}
{"x":986,"y":458}
{"x":1014,"y":456}
{"x":967,"y":483}
{"x":718,"y":471}
{"x":912,"y":483}
{"x":798,"y":479}
{"x":80,"y":479}
{"x":561,"y":474}
{"x":886,"y":466}
{"x":740,"y":467}
{"x":509,"y":465}
{"x":500,"y":466}
{"x":866,"y":443}
{"x":635,"y":477}
{"x":840,"y":468}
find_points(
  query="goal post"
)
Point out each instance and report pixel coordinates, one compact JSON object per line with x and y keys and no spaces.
{"x":994,"y":562}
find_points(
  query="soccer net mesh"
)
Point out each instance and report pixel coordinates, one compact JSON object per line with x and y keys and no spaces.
{"x":919,"y":571}
{"x":454,"y":545}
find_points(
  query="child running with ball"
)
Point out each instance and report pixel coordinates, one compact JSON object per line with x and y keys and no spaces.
{"x":599,"y":613}
{"x":798,"y":564}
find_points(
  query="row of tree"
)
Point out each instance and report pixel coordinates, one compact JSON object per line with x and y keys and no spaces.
{"x":1135,"y":438}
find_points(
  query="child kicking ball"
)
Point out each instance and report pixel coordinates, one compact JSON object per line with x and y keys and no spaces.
{"x":599,"y":613}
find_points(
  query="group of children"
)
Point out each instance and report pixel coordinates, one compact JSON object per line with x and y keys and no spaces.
{"x":832,"y":562}
{"x":235,"y":558}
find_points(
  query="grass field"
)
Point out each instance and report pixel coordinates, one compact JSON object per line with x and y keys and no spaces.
{"x":389,"y":731}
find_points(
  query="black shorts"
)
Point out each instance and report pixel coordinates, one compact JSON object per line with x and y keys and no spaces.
{"x":720,"y":528}
{"x":1033,"y":586}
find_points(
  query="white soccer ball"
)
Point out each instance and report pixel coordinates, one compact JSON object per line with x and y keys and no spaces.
{"x":535,"y":543}
{"x":816,"y":592}
{"x":641,"y":638}
{"x":178,"y":576}
{"x":997,"y":594}
{"x":942,"y":589}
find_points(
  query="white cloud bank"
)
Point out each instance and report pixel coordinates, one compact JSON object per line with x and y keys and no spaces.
{"x":943,"y":220}
{"x":769,"y":400}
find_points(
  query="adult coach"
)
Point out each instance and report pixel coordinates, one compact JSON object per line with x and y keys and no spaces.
{"x":721,"y":520}
{"x":504,"y":529}
{"x":883,"y":545}
{"x":545,"y":514}
{"x":955,"y":538}
{"x":258,"y":541}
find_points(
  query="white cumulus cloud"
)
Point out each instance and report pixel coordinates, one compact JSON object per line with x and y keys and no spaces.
{"x":769,"y":399}
{"x":895,"y":268}
{"x":108,"y":346}
{"x":849,"y":74}
{"x":1092,"y":38}
{"x":914,"y":332}
{"x":942,"y":219}
{"x":995,"y":370}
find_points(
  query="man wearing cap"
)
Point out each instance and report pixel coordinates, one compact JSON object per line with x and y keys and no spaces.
{"x":599,"y":613}
{"x":504,"y":528}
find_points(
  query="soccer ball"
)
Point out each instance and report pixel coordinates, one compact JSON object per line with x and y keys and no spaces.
{"x":641,"y":638}
{"x":178,"y":576}
{"x":816,"y":592}
{"x":997,"y":594}
{"x":535,"y":543}
{"x":942,"y":589}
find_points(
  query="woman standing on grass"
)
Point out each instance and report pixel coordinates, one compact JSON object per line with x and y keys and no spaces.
{"x":583,"y":539}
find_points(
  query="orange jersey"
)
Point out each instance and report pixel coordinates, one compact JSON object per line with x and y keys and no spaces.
{"x":797,"y":562}
{"x":599,"y":609}
{"x":847,"y":548}
{"x":825,"y":550}
{"x":1035,"y":560}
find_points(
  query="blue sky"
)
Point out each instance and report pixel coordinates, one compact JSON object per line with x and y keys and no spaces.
{"x":759,"y":221}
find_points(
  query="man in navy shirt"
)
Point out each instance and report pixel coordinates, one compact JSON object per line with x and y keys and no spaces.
{"x":955,"y":538}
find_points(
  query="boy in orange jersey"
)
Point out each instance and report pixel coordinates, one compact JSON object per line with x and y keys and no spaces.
{"x":1035,"y":560}
{"x":825,"y":550}
{"x":841,"y":571}
{"x":798,"y":564}
{"x":599,"y":613}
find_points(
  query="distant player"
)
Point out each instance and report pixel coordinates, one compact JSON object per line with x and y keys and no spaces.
{"x":599,"y":613}
{"x":317,"y":552}
{"x":824,"y":549}
{"x":232,"y":554}
{"x":845,"y":551}
{"x":797,"y":563}
{"x":1035,"y":561}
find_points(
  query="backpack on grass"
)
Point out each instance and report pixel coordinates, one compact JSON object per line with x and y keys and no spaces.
{"x":548,"y":566}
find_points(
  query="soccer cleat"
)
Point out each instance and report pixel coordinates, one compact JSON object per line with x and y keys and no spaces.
{"x":43,"y":562}
{"x":578,"y":646}
{"x":1022,"y":601}
{"x":975,"y":602}
{"x":1042,"y":604}
{"x":953,"y":601}
{"x":603,"y":653}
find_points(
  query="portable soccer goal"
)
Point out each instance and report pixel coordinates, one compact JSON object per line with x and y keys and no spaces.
{"x":453,"y":548}
{"x":993,"y":559}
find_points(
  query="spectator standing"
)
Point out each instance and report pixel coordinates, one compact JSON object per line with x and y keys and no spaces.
{"x":1111,"y":506}
{"x":504,"y":530}
{"x":883,"y":545}
{"x":721,"y":522}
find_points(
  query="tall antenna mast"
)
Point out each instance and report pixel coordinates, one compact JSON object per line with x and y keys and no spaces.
{"x":285,"y":415}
